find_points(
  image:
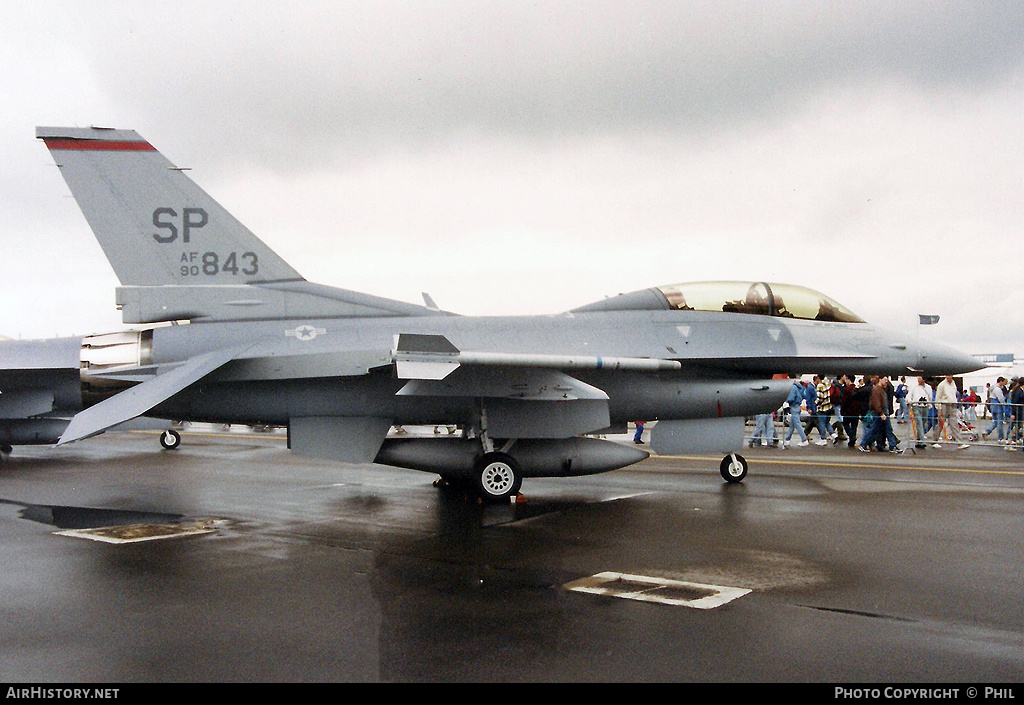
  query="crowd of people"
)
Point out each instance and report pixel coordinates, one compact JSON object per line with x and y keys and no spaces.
{"x":1005,"y":405}
{"x":861,"y":411}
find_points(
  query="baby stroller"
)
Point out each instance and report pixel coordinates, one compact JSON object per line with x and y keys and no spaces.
{"x":966,"y":430}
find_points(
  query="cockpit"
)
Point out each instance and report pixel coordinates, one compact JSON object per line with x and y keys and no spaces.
{"x":759,"y":298}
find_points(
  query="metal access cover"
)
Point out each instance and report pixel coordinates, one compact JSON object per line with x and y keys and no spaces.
{"x":133,"y":533}
{"x":652,"y":589}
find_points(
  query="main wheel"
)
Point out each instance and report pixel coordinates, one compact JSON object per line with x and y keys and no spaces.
{"x":733,"y":468}
{"x":498,"y":476}
{"x":170,"y":439}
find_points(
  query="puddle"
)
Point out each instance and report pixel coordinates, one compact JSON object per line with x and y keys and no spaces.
{"x":113,"y":525}
{"x":88,"y":517}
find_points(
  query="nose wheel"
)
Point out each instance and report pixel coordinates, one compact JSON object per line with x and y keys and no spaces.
{"x":170,"y":439}
{"x":733,"y":468}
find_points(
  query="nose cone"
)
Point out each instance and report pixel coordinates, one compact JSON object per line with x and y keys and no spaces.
{"x":937,"y":359}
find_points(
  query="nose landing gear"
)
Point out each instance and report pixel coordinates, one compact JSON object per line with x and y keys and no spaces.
{"x":733,"y":468}
{"x":170,"y":439}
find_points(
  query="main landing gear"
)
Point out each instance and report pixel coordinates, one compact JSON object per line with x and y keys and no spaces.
{"x":733,"y":468}
{"x":497,"y":477}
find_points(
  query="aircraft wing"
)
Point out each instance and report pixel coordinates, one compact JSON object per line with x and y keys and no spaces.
{"x":139,"y":399}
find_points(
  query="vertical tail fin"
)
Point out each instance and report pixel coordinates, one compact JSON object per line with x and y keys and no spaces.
{"x":155,"y":225}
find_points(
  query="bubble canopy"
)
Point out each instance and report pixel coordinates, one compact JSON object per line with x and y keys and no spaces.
{"x":761,"y":298}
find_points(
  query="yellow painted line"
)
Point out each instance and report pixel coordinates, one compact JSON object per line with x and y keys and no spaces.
{"x":231,"y":436}
{"x":223,"y":434}
{"x":759,"y":461}
{"x":855,"y":465}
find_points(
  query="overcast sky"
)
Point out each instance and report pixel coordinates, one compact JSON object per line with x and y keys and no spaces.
{"x":520,"y":158}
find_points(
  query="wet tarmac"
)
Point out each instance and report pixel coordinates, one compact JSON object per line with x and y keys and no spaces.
{"x":231,"y":560}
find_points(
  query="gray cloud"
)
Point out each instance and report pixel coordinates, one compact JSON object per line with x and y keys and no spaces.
{"x":344,"y":78}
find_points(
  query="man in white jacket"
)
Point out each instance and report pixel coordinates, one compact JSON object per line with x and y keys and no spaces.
{"x":946,"y":400}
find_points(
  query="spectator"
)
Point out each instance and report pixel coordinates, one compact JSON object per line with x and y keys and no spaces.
{"x":900,"y":395}
{"x":997,"y":407}
{"x":855,"y":400}
{"x":823,"y":409}
{"x":880,"y":431}
{"x":920,"y":402}
{"x":764,"y":430}
{"x":836,"y":394}
{"x":946,"y":400}
{"x":1016,"y":413}
{"x":793,"y":401}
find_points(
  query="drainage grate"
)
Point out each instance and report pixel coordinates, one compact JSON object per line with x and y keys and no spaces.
{"x":133,"y":533}
{"x":653,"y":589}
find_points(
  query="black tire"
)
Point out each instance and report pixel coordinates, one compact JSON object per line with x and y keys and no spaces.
{"x":170,"y":439}
{"x":733,"y":470}
{"x":498,"y":477}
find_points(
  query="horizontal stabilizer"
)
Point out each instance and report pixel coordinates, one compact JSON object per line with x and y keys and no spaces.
{"x":139,"y":399}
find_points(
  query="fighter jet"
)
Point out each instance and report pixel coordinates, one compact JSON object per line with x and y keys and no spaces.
{"x":225,"y":331}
